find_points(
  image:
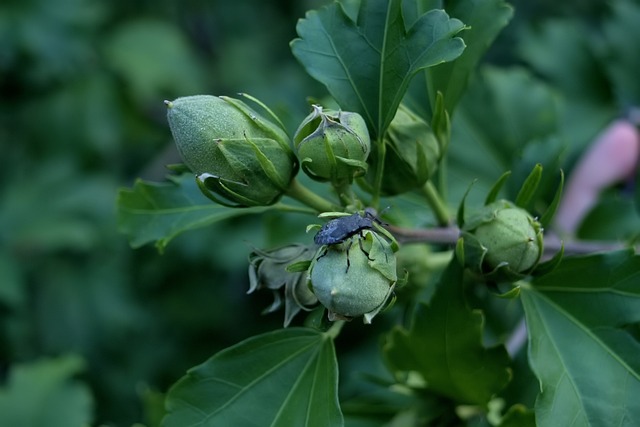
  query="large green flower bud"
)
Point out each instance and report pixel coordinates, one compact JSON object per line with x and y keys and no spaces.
{"x":502,"y":236}
{"x":333,"y":145}
{"x":356,"y":277}
{"x":268,"y":270}
{"x":412,"y":153}
{"x":235,"y":153}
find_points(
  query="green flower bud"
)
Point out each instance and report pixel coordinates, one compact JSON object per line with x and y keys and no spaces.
{"x":506,"y":237}
{"x":235,"y":153}
{"x":267,"y":270}
{"x":356,"y":277}
{"x":412,"y":153}
{"x":333,"y":145}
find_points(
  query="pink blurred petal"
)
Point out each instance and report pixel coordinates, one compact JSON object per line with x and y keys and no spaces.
{"x":613,"y":157}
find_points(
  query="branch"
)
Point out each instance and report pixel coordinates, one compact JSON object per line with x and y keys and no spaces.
{"x":552,"y":243}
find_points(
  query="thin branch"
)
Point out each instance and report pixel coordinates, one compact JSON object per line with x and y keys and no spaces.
{"x":552,"y":243}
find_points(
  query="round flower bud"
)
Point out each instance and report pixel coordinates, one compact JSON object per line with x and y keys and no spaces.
{"x":412,"y":153}
{"x":333,"y":145}
{"x":235,"y":153}
{"x":356,"y":277}
{"x":509,"y":236}
{"x":268,"y":270}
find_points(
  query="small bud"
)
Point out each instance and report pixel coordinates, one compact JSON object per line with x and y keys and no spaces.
{"x":235,"y":153}
{"x":509,"y":238}
{"x":356,"y":277}
{"x":412,"y":153}
{"x":333,"y":145}
{"x":267,"y":270}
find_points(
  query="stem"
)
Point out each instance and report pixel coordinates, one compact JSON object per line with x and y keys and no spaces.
{"x":335,"y":329}
{"x":345,"y":193}
{"x":283,"y":207}
{"x":377,"y":184}
{"x":436,"y":203}
{"x":552,"y":244}
{"x":302,"y":194}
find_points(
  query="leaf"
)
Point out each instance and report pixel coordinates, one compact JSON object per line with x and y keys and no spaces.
{"x":494,"y":125}
{"x":484,"y":19}
{"x":287,"y":377}
{"x":444,"y":345}
{"x":160,"y":211}
{"x":43,"y":393}
{"x":582,"y":346}
{"x":367,"y":65}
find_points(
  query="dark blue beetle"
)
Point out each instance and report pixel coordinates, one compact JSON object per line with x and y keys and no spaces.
{"x":340,"y":229}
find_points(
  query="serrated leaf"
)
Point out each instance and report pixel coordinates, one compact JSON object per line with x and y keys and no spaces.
{"x":44,"y":393}
{"x":444,"y":346}
{"x":367,"y":64}
{"x":484,"y":19}
{"x":283,"y":378}
{"x":158,"y":212}
{"x":582,"y":346}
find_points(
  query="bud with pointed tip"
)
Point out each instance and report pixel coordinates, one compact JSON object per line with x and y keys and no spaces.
{"x":356,"y":277}
{"x":504,"y":240}
{"x":333,"y":145}
{"x":239,"y":157}
{"x":412,"y":153}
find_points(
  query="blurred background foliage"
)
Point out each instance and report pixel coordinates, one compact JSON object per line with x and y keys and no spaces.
{"x":93,"y":331}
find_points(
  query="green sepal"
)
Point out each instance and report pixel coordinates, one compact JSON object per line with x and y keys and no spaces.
{"x":495,"y":190}
{"x":546,"y":218}
{"x":550,"y":265}
{"x":298,"y":267}
{"x":529,"y":187}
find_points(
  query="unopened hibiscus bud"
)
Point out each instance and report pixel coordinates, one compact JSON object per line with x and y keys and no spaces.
{"x":412,"y":153}
{"x":239,"y":157}
{"x":508,"y":236}
{"x":333,"y":145}
{"x":356,"y":277}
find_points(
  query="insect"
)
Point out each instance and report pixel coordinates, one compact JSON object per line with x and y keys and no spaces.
{"x":340,"y":229}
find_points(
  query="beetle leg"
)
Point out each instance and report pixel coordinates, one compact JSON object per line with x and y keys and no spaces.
{"x":326,"y":249}
{"x":348,"y":262}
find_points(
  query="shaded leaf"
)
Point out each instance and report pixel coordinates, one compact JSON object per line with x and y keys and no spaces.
{"x":494,"y":125}
{"x":159,"y":212}
{"x":44,"y":393}
{"x":444,"y":345}
{"x":285,"y":378}
{"x":367,"y":64}
{"x":581,"y":343}
{"x":484,"y":19}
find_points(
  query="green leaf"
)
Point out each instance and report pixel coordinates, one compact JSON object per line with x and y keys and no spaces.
{"x":444,"y":346}
{"x":284,"y":378}
{"x":582,"y":345}
{"x":44,"y":393}
{"x":494,"y":125}
{"x":159,"y":212}
{"x":485,"y":19}
{"x":367,"y":65}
